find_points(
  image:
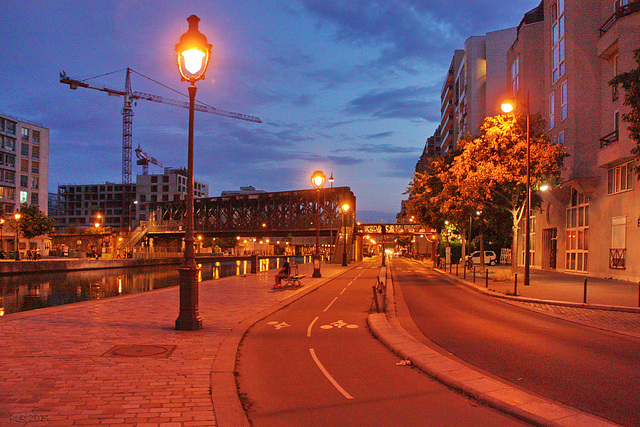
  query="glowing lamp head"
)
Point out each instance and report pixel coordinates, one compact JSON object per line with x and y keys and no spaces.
{"x":317,"y":179}
{"x":345,"y":208}
{"x":507,"y":107}
{"x":96,"y":225}
{"x":544,"y":187}
{"x":17,"y":216}
{"x":193,"y":52}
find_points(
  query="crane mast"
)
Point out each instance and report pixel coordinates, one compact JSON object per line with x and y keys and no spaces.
{"x":127,"y":127}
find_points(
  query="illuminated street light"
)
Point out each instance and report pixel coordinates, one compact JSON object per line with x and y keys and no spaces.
{"x":17,"y":218}
{"x":345,"y":209}
{"x":193,"y":53}
{"x":508,"y":107}
{"x":317,"y":179}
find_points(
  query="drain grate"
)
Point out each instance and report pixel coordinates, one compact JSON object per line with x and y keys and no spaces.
{"x":140,"y":350}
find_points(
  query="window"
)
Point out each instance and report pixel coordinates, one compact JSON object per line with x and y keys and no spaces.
{"x":35,"y":167}
{"x":24,"y":181}
{"x":165,"y":188}
{"x":24,"y":149}
{"x":558,"y":37}
{"x":10,"y":127}
{"x":8,"y":144}
{"x":515,"y":76}
{"x":552,"y":111}
{"x":165,"y":178}
{"x":577,"y":232}
{"x":24,"y":165}
{"x":25,"y":134}
{"x":154,"y":188}
{"x":620,"y":178}
{"x":561,"y":138}
{"x":563,"y":99}
{"x":36,"y":137}
{"x":35,"y":152}
{"x":34,"y":199}
{"x":34,"y":182}
{"x":24,"y":197}
{"x":154,"y":178}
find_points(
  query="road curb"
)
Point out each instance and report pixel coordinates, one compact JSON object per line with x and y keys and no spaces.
{"x":227,"y":406}
{"x":504,"y":397}
{"x":497,"y":294}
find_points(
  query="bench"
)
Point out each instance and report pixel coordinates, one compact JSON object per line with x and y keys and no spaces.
{"x":292,"y":281}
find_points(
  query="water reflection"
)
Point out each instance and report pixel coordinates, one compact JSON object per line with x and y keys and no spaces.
{"x":31,"y":291}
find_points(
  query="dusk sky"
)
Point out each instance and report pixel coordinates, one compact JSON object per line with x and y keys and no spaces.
{"x":349,"y":87}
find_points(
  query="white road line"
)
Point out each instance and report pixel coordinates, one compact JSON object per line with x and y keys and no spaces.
{"x":331,"y":303}
{"x":344,"y":289}
{"x":311,"y":326}
{"x":329,"y":377}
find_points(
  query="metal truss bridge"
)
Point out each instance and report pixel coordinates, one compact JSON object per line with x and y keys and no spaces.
{"x":286,"y":213}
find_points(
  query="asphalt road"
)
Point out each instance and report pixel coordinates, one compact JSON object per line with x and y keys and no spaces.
{"x":587,"y":368}
{"x":315,"y":363}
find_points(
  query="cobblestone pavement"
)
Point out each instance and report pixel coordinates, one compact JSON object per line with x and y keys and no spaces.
{"x":58,"y":365}
{"x":616,"y":321}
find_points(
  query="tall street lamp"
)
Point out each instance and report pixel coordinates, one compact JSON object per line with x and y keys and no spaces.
{"x":193,"y":54}
{"x":345,"y":209}
{"x":1,"y":235}
{"x":508,"y":107}
{"x":331,"y":220}
{"x":17,"y":218}
{"x":317,"y":179}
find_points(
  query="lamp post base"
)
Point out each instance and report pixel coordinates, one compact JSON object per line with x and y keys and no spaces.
{"x":316,"y":266}
{"x":189,"y":318}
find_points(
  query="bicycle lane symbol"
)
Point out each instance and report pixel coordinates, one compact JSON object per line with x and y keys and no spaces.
{"x":339,"y":324}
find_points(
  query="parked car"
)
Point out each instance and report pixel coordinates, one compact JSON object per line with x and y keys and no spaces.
{"x":490,"y":258}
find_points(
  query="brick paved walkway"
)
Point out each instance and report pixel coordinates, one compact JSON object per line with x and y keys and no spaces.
{"x":55,"y":363}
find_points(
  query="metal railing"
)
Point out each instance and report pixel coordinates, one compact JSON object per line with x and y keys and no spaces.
{"x":617,"y":259}
{"x":609,"y":139}
{"x":620,"y":12}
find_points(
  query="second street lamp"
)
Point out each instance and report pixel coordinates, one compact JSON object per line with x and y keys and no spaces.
{"x":193,"y":54}
{"x":345,"y":209}
{"x":17,"y":218}
{"x":317,"y":179}
{"x":508,"y":107}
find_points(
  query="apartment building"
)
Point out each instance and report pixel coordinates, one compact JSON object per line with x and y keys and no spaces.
{"x":564,"y":59}
{"x":168,"y":186}
{"x":24,"y":170}
{"x":81,"y":206}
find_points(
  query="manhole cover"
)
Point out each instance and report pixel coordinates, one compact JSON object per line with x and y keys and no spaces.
{"x":138,"y":350}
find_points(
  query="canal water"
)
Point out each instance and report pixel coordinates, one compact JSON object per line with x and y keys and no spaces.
{"x":25,"y":292}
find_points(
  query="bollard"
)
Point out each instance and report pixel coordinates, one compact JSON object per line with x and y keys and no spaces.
{"x":585,"y":291}
{"x":515,"y":285}
{"x":464,"y":272}
{"x":375,"y":298}
{"x":486,"y":278}
{"x":474,"y":274}
{"x":450,"y":267}
{"x":457,"y":269}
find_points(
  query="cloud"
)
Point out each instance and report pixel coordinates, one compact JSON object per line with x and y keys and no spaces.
{"x":405,"y":103}
{"x":380,"y":135}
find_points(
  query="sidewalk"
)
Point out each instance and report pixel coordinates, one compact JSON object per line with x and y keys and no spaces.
{"x":119,"y":361}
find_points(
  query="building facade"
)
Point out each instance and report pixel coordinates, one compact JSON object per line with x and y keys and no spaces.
{"x":564,"y":61}
{"x":24,"y":171}
{"x":559,"y":64}
{"x":168,"y":186}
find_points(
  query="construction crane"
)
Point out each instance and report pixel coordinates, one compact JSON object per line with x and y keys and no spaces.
{"x":144,"y":159}
{"x":127,"y":121}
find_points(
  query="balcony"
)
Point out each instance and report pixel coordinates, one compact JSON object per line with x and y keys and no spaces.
{"x":620,"y":12}
{"x":609,"y":139}
{"x":617,"y":259}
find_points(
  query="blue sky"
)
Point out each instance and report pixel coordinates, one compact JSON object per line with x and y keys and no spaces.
{"x":349,"y":87}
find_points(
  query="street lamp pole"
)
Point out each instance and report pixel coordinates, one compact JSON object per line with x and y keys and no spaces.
{"x":193,"y":53}
{"x":17,"y":218}
{"x":345,"y":208}
{"x":1,"y":235}
{"x":506,"y":107}
{"x":317,"y":179}
{"x":331,"y":246}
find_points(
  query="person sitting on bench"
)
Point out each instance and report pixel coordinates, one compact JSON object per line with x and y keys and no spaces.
{"x":284,"y":272}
